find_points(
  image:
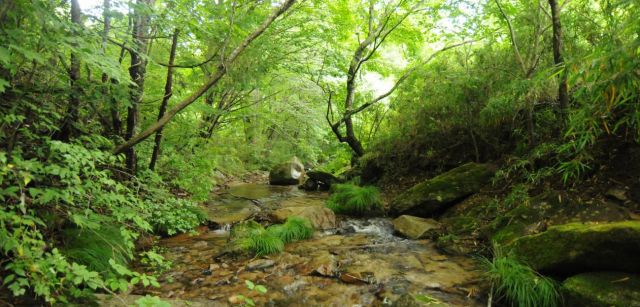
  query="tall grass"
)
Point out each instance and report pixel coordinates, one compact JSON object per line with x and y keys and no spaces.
{"x":294,"y":229}
{"x":354,"y":200}
{"x":94,"y":247}
{"x":252,"y":237}
{"x":520,"y":284}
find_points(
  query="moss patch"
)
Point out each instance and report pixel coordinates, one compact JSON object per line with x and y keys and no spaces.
{"x":602,"y":289}
{"x":579,"y":247}
{"x":433,"y":195}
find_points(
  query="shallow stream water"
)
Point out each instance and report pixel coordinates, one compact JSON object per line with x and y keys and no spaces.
{"x":360,"y":263}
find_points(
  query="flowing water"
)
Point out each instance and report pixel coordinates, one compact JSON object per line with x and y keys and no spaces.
{"x":360,"y":263}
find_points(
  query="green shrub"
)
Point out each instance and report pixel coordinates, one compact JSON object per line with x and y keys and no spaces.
{"x":354,"y":200}
{"x":520,"y":284}
{"x":174,"y":215}
{"x":294,"y":229}
{"x":94,"y":248}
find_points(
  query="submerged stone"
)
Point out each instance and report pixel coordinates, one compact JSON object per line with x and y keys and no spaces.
{"x":442,"y":191}
{"x":579,"y":247}
{"x":596,"y":289}
{"x":414,"y":227}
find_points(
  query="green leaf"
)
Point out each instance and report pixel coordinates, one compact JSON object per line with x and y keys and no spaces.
{"x":249,"y":284}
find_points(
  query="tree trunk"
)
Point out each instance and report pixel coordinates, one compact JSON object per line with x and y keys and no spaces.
{"x":563,"y":97}
{"x":68,"y":126}
{"x":165,"y":100}
{"x":137,"y":73}
{"x":220,"y":72}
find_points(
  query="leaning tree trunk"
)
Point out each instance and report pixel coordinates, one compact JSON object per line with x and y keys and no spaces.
{"x":563,"y":97}
{"x":165,"y":100}
{"x":136,"y":72}
{"x":68,"y":126}
{"x":213,"y":80}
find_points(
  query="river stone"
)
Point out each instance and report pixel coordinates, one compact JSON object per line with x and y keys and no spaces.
{"x":414,"y":227}
{"x":130,"y":300}
{"x":596,"y":289}
{"x":442,"y":191}
{"x":321,"y":218}
{"x":260,"y":264}
{"x":231,"y":211}
{"x":289,"y":173}
{"x":578,"y":247}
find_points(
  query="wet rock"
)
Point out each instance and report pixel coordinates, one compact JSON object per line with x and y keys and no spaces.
{"x":319,"y":180}
{"x":436,"y":194}
{"x":230,"y":212}
{"x":321,"y":218}
{"x":414,"y":227}
{"x":130,"y":300}
{"x":352,"y":278}
{"x":289,"y":173}
{"x":596,"y":289}
{"x":260,"y":264}
{"x":578,"y":247}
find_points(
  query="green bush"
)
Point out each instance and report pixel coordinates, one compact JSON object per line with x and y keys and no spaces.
{"x":354,"y":200}
{"x":520,"y":284}
{"x":175,"y":215}
{"x":94,"y":247}
{"x":294,"y":229}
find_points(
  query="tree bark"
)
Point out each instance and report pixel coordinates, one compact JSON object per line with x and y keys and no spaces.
{"x":137,"y":71}
{"x":68,"y":126}
{"x":220,"y":72}
{"x":563,"y":97}
{"x":165,"y":100}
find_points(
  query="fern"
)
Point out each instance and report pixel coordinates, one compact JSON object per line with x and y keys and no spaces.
{"x":94,"y":248}
{"x":520,"y":284}
{"x":355,"y":200}
{"x":250,"y":236}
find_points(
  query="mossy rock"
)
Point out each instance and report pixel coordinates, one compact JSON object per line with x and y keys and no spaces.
{"x":436,"y":194}
{"x":289,"y":173}
{"x":595,"y":289}
{"x":579,"y":247}
{"x":548,"y":209}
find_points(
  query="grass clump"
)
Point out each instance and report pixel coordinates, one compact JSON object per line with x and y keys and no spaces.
{"x":94,"y":247}
{"x":250,"y":236}
{"x":294,"y":229}
{"x":354,"y":200}
{"x":520,"y":284}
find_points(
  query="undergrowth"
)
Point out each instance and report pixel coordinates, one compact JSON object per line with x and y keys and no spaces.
{"x":520,"y":284}
{"x":95,"y":247}
{"x":354,"y":200}
{"x":294,"y":229}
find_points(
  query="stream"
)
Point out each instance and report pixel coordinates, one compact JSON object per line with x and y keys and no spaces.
{"x":360,"y":263}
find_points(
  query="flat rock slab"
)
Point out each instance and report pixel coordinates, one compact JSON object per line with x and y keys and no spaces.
{"x":229,"y":212}
{"x":321,"y":218}
{"x":414,"y":227}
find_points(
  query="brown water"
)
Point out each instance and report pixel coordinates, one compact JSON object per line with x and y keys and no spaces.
{"x":360,"y":264}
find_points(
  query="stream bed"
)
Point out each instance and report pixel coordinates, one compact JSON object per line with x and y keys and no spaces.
{"x":360,"y":263}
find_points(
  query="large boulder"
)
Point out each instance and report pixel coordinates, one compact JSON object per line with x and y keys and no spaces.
{"x":319,"y":180}
{"x":595,"y":289}
{"x":414,"y":227}
{"x":321,"y":218}
{"x":579,"y":247}
{"x":289,"y":173}
{"x":442,"y":191}
{"x":548,"y":209}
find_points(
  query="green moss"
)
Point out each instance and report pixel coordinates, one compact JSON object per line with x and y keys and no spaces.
{"x":435,"y":194}
{"x":461,"y":224}
{"x":578,"y":247}
{"x":602,"y":289}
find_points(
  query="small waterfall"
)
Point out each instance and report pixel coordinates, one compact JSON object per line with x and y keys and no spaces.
{"x":224,"y":229}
